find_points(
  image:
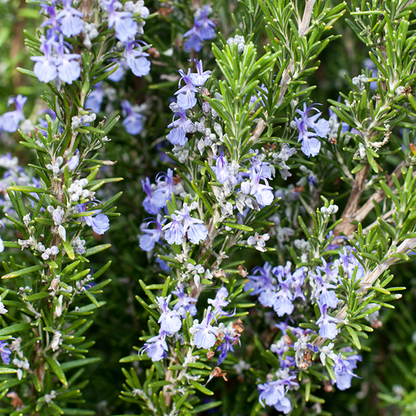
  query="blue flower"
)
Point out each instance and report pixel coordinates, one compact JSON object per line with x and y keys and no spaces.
{"x":151,"y":236}
{"x":273,"y":394}
{"x":156,"y":347}
{"x":185,"y":303}
{"x":67,"y":65}
{"x":118,"y":74}
{"x":70,"y":19}
{"x":262,"y":193}
{"x":343,"y":370}
{"x":219,"y":302}
{"x":186,"y":95}
{"x":181,"y":125}
{"x":195,"y":228}
{"x":310,"y":144}
{"x":125,"y":27}
{"x":136,"y":59}
{"x":327,"y":324}
{"x":164,"y":188}
{"x":11,"y":119}
{"x":45,"y":66}
{"x":133,"y":121}
{"x":221,"y":167}
{"x":169,"y":320}
{"x":73,"y":162}
{"x":174,"y":231}
{"x":200,"y":77}
{"x":98,"y":222}
{"x":204,"y":333}
{"x":149,"y":203}
{"x":205,"y":25}
{"x":95,"y":99}
{"x":195,"y":41}
{"x":229,"y":340}
{"x":5,"y":352}
{"x":1,"y":245}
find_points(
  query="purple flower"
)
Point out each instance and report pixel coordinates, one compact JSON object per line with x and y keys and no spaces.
{"x":186,"y":94}
{"x":323,"y":292}
{"x":52,"y":21}
{"x":327,"y":324}
{"x":11,"y":119}
{"x":185,"y":303}
{"x":174,"y":231}
{"x":181,"y":125}
{"x":133,"y":121}
{"x":70,"y":20}
{"x":262,"y":285}
{"x":310,"y":144}
{"x":220,"y":169}
{"x":164,"y":188}
{"x":262,"y":193}
{"x":343,"y":370}
{"x":200,"y":77}
{"x":156,"y":347}
{"x":95,"y":99}
{"x":118,"y":74}
{"x":74,"y":161}
{"x":204,"y":333}
{"x":169,"y":320}
{"x":273,"y":394}
{"x":349,"y":263}
{"x":136,"y":59}
{"x":149,"y":203}
{"x":45,"y":66}
{"x":125,"y":27}
{"x":195,"y":41}
{"x":151,"y":236}
{"x":5,"y":352}
{"x":205,"y":25}
{"x":229,"y":339}
{"x":219,"y":302}
{"x":67,"y":65}
{"x":195,"y":228}
{"x":98,"y":222}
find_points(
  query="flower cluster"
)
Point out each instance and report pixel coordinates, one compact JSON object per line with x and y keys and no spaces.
{"x":205,"y":334}
{"x":186,"y":99}
{"x":203,"y":29}
{"x":126,"y":28}
{"x":309,"y":129}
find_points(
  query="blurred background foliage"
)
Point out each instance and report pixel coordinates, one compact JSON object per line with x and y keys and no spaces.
{"x":388,"y":385}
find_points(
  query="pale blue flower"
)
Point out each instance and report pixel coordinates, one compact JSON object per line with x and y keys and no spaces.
{"x":11,"y":119}
{"x":186,"y":95}
{"x":151,"y":235}
{"x":98,"y":222}
{"x":327,"y":324}
{"x":343,"y":370}
{"x":95,"y":99}
{"x":185,"y":303}
{"x":164,"y":189}
{"x":136,"y":59}
{"x":205,"y":334}
{"x":70,"y":19}
{"x":169,"y":320}
{"x":156,"y":347}
{"x":133,"y":121}
{"x":124,"y":26}
{"x":5,"y":352}
{"x":200,"y":77}
{"x":174,"y":231}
